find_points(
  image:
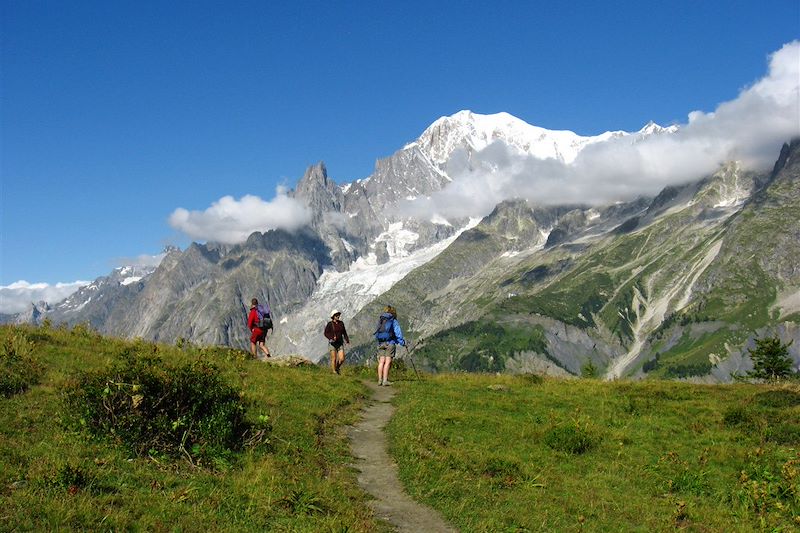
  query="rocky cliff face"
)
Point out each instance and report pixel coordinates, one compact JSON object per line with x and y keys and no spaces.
{"x":203,"y":294}
{"x":94,"y":303}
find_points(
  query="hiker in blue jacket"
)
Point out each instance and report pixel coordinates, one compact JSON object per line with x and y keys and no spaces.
{"x":388,"y":335}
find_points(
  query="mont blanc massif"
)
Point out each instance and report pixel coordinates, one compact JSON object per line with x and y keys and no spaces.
{"x":676,"y":284}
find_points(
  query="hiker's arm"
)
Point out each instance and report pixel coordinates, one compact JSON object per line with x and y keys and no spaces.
{"x":344,"y":334}
{"x":398,"y":334}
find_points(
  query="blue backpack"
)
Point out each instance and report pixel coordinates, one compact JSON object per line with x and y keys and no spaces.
{"x":385,"y":329}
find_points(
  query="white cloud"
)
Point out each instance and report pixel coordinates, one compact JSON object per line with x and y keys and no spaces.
{"x":143,"y":260}
{"x":750,"y":128}
{"x":231,"y":221}
{"x":19,"y":296}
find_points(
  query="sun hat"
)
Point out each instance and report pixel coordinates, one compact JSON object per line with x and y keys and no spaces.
{"x":335,"y":312}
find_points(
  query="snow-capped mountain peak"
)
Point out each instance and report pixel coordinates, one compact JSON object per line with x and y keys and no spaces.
{"x":473,"y":132}
{"x":651,"y":128}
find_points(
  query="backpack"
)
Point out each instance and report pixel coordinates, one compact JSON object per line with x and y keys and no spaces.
{"x":385,"y":329}
{"x":264,"y":321}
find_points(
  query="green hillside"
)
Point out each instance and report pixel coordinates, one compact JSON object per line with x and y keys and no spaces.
{"x":517,"y":453}
{"x":675,"y":290}
{"x":53,"y":476}
{"x":492,"y":453}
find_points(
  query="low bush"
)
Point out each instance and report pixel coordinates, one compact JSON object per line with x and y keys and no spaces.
{"x":741,"y":417}
{"x":787,"y":433}
{"x":502,"y":472}
{"x":589,"y":370}
{"x":19,"y":369}
{"x":778,"y":399}
{"x":574,"y":438}
{"x":69,"y":478}
{"x":532,"y":379}
{"x":160,"y":409}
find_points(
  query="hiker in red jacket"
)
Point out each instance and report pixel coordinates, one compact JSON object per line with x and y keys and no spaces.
{"x":336,"y":334}
{"x":258,"y":336}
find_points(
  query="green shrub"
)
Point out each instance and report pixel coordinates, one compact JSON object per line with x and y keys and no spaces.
{"x":69,"y":478}
{"x":778,"y":398}
{"x":677,"y":371}
{"x":589,"y":370}
{"x":156,"y":408}
{"x":738,"y":416}
{"x":533,"y":379}
{"x":19,"y":369}
{"x":84,"y":330}
{"x":575,"y":438}
{"x":502,"y":472}
{"x":631,"y":406}
{"x":689,"y":481}
{"x":783,"y":433}
{"x":652,"y":364}
{"x":223,"y":353}
{"x":302,"y":501}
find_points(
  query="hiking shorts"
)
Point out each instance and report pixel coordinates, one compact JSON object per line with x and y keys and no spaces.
{"x":387,"y":349}
{"x":336,"y":345}
{"x":258,"y":335}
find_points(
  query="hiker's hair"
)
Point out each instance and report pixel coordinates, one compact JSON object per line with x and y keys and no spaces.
{"x":254,"y":301}
{"x":390,"y":309}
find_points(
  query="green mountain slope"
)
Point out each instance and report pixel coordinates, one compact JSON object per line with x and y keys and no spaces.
{"x":676,"y":288}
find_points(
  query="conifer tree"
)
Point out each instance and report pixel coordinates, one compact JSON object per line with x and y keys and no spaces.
{"x":771,"y":361}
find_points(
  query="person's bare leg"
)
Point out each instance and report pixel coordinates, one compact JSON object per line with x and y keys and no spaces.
{"x":386,"y":367}
{"x":334,"y":368}
{"x":339,"y":359}
{"x":253,"y":350}
{"x":264,"y":349}
{"x":381,"y":362}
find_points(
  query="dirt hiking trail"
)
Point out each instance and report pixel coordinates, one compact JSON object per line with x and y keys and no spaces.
{"x":378,"y":473}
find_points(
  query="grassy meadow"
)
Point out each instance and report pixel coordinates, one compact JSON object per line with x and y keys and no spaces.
{"x":522,"y":453}
{"x":54,"y":476}
{"x":490,"y":452}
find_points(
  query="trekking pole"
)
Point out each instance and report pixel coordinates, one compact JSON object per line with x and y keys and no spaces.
{"x":408,"y":353}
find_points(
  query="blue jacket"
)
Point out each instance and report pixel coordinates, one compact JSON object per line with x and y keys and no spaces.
{"x":398,"y":333}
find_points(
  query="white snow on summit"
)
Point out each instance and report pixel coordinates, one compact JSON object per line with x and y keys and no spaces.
{"x":475,"y":132}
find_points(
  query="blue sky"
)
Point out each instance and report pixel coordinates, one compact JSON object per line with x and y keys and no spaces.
{"x":115,"y":114}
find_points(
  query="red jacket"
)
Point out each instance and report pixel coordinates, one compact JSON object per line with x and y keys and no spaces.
{"x":334,"y":331}
{"x":252,"y":319}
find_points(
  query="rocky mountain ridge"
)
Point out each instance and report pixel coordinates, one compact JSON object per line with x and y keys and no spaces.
{"x":670,"y":285}
{"x":560,"y":282}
